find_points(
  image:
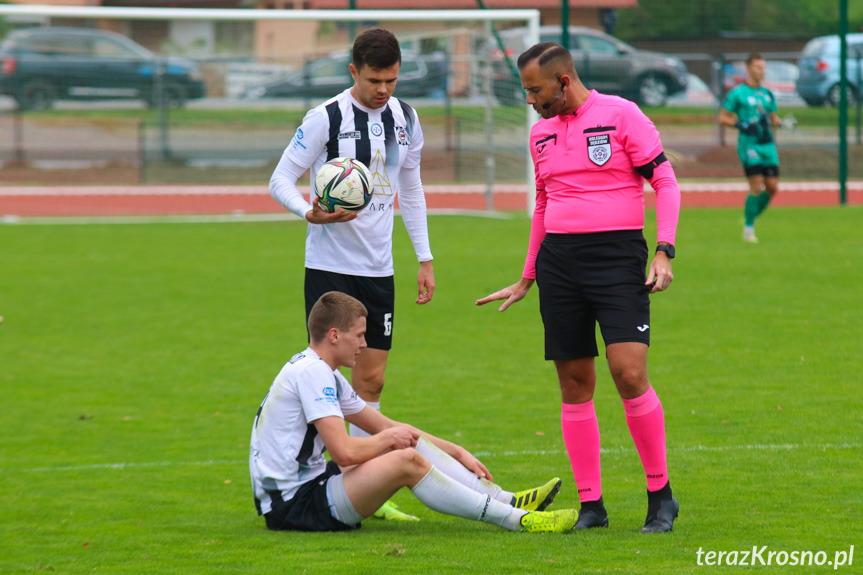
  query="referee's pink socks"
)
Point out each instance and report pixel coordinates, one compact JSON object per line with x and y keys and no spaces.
{"x":581,"y":437}
{"x":646,"y":422}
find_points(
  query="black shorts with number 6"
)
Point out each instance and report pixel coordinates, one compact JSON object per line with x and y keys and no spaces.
{"x":588,"y":278}
{"x":377,"y":294}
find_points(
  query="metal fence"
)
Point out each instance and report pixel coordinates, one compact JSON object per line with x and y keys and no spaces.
{"x":474,"y":133}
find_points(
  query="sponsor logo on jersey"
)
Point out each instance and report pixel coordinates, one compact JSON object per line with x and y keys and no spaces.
{"x":376,"y":131}
{"x":402,"y":136}
{"x":643,"y":328}
{"x":329,"y":395}
{"x":599,"y":149}
{"x":349,"y":135}
{"x":373,"y":207}
{"x":296,"y":141}
{"x":380,"y":176}
{"x":541,"y":145}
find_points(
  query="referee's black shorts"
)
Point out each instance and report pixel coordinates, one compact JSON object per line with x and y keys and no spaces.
{"x":377,"y":294}
{"x":589,"y":278}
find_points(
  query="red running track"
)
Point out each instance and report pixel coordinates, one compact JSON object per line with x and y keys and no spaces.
{"x":217,"y":200}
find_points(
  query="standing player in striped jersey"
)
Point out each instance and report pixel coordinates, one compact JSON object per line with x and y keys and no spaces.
{"x":348,"y":252}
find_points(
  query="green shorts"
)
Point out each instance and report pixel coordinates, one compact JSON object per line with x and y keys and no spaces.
{"x":753,"y":155}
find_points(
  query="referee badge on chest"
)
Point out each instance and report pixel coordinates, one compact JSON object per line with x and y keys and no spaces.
{"x":599,"y":148}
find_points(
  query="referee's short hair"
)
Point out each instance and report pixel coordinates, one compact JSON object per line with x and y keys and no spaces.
{"x":545,"y":53}
{"x":334,"y":309}
{"x":377,"y":48}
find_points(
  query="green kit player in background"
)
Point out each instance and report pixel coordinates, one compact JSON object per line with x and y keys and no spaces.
{"x":751,"y":108}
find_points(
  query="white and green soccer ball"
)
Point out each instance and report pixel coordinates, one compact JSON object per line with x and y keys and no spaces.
{"x":344,"y":184}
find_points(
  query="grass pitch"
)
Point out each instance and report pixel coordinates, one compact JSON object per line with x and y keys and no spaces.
{"x":133,"y":359}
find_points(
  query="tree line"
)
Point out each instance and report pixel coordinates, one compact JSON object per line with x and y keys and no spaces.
{"x":684,"y":19}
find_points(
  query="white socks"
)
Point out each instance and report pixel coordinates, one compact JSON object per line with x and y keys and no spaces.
{"x":451,"y":488}
{"x":355,"y":431}
{"x":443,"y":494}
{"x":455,"y":470}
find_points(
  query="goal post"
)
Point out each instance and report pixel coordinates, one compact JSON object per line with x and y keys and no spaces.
{"x":466,"y":146}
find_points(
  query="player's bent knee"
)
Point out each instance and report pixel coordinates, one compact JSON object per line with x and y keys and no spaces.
{"x":413,"y":465}
{"x":410,"y":456}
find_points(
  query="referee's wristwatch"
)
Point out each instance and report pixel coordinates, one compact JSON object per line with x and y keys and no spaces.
{"x":668,"y":249}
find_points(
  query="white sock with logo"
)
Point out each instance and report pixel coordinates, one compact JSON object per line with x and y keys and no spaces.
{"x":443,"y":494}
{"x":355,"y":431}
{"x":446,"y":464}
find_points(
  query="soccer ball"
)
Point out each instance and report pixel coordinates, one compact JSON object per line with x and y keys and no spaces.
{"x":344,"y":184}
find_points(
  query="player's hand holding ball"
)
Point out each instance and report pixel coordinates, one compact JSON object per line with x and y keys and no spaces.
{"x":318,"y":215}
{"x":343,"y":187}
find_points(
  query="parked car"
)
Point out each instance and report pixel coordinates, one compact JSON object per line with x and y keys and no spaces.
{"x":41,"y":65}
{"x":779,"y":77}
{"x":697,"y":94}
{"x":419,"y":76}
{"x":819,"y":70}
{"x":603,"y":63}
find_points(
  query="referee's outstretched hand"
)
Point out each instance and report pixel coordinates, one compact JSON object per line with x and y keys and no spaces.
{"x":511,"y":294}
{"x":319,"y":215}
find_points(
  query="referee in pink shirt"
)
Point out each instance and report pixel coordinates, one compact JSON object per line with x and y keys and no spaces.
{"x":587,"y":253}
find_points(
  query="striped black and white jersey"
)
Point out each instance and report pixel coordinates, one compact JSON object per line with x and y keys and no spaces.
{"x":286,"y":450}
{"x":388,"y":140}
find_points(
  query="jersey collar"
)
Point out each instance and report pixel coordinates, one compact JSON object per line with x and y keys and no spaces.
{"x":581,"y":110}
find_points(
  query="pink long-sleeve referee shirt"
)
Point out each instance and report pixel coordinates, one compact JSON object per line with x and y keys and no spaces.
{"x":585,"y":173}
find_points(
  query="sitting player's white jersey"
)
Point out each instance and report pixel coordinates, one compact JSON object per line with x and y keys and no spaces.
{"x":389,"y":141}
{"x":286,"y":450}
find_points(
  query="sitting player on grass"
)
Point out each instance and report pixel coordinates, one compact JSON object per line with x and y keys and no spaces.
{"x":304,"y":415}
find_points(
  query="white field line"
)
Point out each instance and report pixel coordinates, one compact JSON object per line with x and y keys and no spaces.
{"x":695,"y":448}
{"x":491,"y":454}
{"x":180,"y":190}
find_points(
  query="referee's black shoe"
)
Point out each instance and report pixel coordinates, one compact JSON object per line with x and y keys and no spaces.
{"x":662,"y":510}
{"x":592,"y":514}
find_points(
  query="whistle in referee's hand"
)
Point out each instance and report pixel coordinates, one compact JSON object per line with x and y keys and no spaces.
{"x":647,"y":288}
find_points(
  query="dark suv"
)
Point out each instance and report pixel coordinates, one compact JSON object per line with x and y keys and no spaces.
{"x":41,"y":65}
{"x":603,"y":63}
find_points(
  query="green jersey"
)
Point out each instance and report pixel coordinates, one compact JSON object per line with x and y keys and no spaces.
{"x":752,"y":105}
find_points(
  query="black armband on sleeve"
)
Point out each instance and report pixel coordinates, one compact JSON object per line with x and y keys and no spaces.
{"x":647,"y":169}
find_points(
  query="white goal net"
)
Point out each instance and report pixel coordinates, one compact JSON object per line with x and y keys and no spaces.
{"x":202,"y":96}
